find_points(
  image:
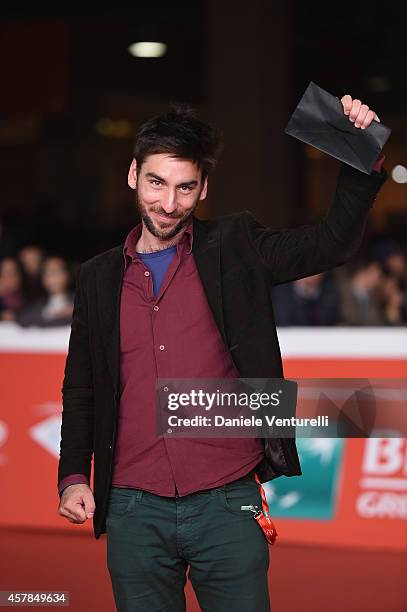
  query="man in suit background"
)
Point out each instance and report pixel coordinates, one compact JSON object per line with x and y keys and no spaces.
{"x":185,"y":298}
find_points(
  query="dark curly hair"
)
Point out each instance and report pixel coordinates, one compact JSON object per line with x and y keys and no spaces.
{"x":180,"y":133}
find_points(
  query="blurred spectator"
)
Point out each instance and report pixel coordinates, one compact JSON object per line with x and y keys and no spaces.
{"x":360,"y":295}
{"x":57,"y":305}
{"x":395,"y":265}
{"x":32,"y":257}
{"x":12,"y":288}
{"x":392,"y":300}
{"x":308,"y":301}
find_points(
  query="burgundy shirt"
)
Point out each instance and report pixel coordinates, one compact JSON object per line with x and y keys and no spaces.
{"x":169,"y":335}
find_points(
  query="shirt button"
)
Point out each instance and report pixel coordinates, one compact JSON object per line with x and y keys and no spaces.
{"x":156,"y":307}
{"x":146,"y":273}
{"x":162,"y":347}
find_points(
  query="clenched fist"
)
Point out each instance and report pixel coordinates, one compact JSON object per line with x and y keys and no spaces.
{"x":360,"y":114}
{"x":77,"y":503}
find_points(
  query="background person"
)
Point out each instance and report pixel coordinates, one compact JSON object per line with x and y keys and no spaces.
{"x":56,"y":307}
{"x":13,"y":289}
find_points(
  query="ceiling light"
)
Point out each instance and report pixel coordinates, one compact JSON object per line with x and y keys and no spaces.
{"x":399,"y":174}
{"x":147,"y":49}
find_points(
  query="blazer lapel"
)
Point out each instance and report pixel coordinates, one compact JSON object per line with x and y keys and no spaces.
{"x":207,"y":254}
{"x":109,"y":284}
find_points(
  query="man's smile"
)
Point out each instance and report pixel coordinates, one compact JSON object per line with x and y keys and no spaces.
{"x":163,"y":218}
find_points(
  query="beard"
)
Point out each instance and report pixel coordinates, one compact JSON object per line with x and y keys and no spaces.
{"x":164,"y":233}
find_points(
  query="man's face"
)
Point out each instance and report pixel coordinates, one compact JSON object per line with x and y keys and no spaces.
{"x":168,"y":191}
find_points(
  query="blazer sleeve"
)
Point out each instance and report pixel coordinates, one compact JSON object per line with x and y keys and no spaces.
{"x":290,"y":254}
{"x":77,"y":429}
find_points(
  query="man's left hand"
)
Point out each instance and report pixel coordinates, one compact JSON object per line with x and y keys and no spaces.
{"x":360,"y":114}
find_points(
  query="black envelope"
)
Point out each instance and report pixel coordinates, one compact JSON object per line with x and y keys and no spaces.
{"x":319,"y":120}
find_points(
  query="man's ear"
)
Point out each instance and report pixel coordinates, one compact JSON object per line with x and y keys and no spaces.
{"x":204,"y":190}
{"x":132,"y":176}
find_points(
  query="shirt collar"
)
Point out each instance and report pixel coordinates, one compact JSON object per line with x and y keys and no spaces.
{"x":129,"y":248}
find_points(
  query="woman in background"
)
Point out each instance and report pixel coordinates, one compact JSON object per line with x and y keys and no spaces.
{"x":13,"y":296}
{"x":55,"y":307}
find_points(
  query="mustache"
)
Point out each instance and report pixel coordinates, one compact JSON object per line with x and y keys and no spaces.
{"x":164,"y":214}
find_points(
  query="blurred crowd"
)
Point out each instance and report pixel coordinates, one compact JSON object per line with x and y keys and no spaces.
{"x":37,"y":289}
{"x":367,"y":291}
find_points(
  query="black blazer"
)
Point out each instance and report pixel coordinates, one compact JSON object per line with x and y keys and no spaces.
{"x":238,"y":260}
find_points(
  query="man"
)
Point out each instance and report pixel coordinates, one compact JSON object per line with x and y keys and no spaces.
{"x":185,"y":298}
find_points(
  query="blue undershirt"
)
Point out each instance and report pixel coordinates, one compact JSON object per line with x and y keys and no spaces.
{"x":158,"y":263}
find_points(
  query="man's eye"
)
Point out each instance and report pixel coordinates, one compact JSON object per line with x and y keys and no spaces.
{"x":186,"y":188}
{"x":155,"y":182}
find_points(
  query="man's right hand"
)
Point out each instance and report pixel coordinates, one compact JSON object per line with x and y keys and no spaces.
{"x":77,"y":503}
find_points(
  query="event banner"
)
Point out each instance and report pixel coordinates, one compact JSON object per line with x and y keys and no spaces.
{"x":353,"y":491}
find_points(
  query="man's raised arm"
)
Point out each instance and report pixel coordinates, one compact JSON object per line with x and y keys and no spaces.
{"x":303,"y":251}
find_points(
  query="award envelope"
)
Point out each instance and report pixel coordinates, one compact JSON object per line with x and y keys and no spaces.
{"x":319,"y":120}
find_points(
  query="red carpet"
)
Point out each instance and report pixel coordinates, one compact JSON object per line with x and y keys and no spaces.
{"x":302,"y":578}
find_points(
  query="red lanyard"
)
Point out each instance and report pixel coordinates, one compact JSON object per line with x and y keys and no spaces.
{"x":263,"y":516}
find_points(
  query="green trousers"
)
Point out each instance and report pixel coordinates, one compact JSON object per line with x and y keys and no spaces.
{"x":152,"y":542}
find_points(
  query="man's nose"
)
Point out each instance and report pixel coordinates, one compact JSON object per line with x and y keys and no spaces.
{"x":169,"y":201}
